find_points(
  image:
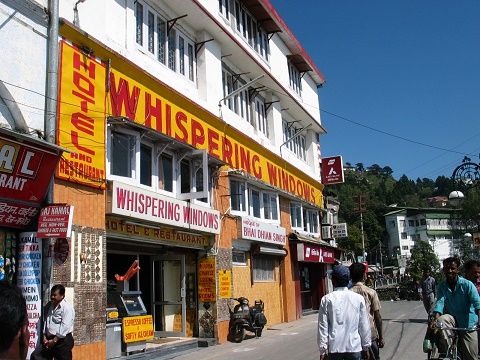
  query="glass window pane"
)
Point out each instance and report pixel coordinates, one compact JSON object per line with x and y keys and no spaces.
{"x":161,"y":38}
{"x":122,"y":154}
{"x":139,"y":23}
{"x":255,"y":203}
{"x":185,"y":177}
{"x":165,"y":173}
{"x":151,"y":32}
{"x":266,"y":206}
{"x":145,"y":165}
{"x":181,"y":54}
{"x":273,"y":207}
{"x":190,"y":61}
{"x":172,"y":47}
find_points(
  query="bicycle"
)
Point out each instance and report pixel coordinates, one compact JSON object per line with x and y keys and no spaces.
{"x":452,"y":350}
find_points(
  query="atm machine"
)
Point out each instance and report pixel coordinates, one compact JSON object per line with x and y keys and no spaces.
{"x":128,"y":304}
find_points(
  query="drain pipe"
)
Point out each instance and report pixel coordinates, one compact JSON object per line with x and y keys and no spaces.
{"x":51,"y":93}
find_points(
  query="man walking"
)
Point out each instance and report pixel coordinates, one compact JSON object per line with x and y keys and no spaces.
{"x":57,"y":340}
{"x":343,"y":327}
{"x":14,"y":334}
{"x":428,"y":291}
{"x":458,"y":305}
{"x":372,"y":305}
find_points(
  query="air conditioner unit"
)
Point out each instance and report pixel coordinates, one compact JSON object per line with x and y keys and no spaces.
{"x":328,"y":218}
{"x":327,"y":232}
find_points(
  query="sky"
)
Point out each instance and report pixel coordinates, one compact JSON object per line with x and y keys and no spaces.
{"x":410,"y":68}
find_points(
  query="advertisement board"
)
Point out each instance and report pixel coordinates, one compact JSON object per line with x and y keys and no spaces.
{"x":206,"y":280}
{"x":55,"y":221}
{"x":137,"y":328}
{"x":224,"y":284}
{"x":253,"y":229}
{"x":332,"y":170}
{"x":314,"y":253}
{"x":29,"y":276}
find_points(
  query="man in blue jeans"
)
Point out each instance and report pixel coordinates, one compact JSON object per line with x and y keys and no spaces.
{"x":458,"y":305}
{"x":343,"y":326}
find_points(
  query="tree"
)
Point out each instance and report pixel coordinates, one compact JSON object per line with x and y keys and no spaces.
{"x":423,"y":258}
{"x":360,"y":167}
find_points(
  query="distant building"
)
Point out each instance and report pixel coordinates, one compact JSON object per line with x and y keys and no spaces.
{"x":407,"y":226}
{"x":437,"y":201}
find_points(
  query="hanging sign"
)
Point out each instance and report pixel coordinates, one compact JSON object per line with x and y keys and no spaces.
{"x":29,"y":264}
{"x":206,"y":280}
{"x":55,"y":221}
{"x":332,"y":170}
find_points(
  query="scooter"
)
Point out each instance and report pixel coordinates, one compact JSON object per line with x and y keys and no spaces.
{"x":243,"y":317}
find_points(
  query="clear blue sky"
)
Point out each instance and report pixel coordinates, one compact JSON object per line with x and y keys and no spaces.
{"x":406,"y":67}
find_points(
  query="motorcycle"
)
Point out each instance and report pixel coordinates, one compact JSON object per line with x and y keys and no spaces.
{"x":243,"y":317}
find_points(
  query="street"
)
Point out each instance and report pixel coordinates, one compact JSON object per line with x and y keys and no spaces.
{"x":403,"y":323}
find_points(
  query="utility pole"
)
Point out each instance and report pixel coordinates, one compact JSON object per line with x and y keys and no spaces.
{"x":360,"y":208}
{"x":380,"y":245}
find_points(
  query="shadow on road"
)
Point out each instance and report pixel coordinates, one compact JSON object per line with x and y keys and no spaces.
{"x":416,"y":321}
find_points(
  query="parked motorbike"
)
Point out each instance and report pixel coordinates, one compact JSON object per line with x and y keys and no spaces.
{"x":243,"y":317}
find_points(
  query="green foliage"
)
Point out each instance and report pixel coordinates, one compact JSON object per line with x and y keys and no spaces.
{"x":423,"y":258}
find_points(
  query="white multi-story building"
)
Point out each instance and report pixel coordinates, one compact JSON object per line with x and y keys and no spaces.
{"x":406,"y":227}
{"x":193,"y":129}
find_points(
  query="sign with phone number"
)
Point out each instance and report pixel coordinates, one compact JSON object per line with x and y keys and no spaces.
{"x":137,"y":328}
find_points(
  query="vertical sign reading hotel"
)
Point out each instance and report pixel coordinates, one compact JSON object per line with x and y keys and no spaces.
{"x":28,"y":280}
{"x":206,"y":280}
{"x":81,"y":118}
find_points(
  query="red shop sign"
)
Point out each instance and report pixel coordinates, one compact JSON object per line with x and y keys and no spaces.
{"x":317,"y":254}
{"x":55,"y":221}
{"x":332,"y":170}
{"x":26,"y":168}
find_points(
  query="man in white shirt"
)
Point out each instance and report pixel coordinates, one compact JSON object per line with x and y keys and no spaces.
{"x":57,"y":337}
{"x":343,"y":325}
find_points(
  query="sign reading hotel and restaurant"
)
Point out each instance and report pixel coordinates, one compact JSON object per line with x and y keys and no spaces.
{"x":137,"y":328}
{"x":29,"y":277}
{"x":332,"y":170}
{"x":122,"y":227}
{"x":253,"y":229}
{"x":86,"y":95}
{"x":55,"y":221}
{"x":315,"y":253}
{"x":206,"y":280}
{"x":25,"y":172}
{"x":134,"y":202}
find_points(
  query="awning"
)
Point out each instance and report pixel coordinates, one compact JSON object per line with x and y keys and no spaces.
{"x":299,"y":62}
{"x":309,"y":239}
{"x":267,"y":250}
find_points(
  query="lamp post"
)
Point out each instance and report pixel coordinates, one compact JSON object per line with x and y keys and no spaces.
{"x":465,"y":176}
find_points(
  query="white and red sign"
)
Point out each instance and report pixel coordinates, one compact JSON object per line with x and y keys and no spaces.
{"x":29,"y":265}
{"x":332,"y":170}
{"x":253,"y":229}
{"x":314,"y":253}
{"x":25,"y":172}
{"x":55,"y":221}
{"x":131,"y":201}
{"x":339,"y":230}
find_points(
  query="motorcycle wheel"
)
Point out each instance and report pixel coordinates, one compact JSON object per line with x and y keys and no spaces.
{"x":238,"y":332}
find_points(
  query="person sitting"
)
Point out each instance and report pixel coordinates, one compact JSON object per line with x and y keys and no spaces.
{"x":458,"y":305}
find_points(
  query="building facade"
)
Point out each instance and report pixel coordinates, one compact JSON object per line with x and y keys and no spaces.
{"x":436,"y":226}
{"x":191,"y":132}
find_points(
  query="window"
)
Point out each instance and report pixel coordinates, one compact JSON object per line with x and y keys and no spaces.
{"x":248,"y":28}
{"x":123,"y":155}
{"x":261,"y":118}
{"x":297,"y":145}
{"x":239,"y":103}
{"x":411,"y":223}
{"x":392,"y":223}
{"x":175,"y":50}
{"x":423,"y":222}
{"x":403,"y":235}
{"x":404,"y":247}
{"x":296,"y":214}
{"x":239,"y":257}
{"x":264,"y":268}
{"x":145,"y":165}
{"x":165,"y":172}
{"x":295,"y":79}
{"x":402,"y":223}
{"x":224,"y":8}
{"x":237,"y":195}
{"x":261,"y":204}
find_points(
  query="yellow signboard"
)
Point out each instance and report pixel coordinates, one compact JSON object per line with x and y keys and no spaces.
{"x":206,"y":280}
{"x":224,"y":284}
{"x":114,"y":225}
{"x":81,"y":118}
{"x":137,"y":328}
{"x":126,"y":91}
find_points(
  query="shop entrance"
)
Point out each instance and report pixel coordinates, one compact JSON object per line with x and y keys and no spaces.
{"x":168,"y":296}
{"x":305,"y":288}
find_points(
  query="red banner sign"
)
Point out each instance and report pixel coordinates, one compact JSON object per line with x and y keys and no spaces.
{"x":26,"y":168}
{"x":332,"y":170}
{"x":313,"y":253}
{"x":55,"y":221}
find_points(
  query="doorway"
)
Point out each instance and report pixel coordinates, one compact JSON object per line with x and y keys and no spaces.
{"x":168,"y":295}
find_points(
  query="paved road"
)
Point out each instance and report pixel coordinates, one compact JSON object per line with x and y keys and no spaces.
{"x":404,"y":328}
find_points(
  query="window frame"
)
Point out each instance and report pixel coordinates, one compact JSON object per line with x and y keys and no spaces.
{"x":264,"y":268}
{"x":294,"y":79}
{"x":243,"y":254}
{"x":248,"y":190}
{"x":306,"y":220}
